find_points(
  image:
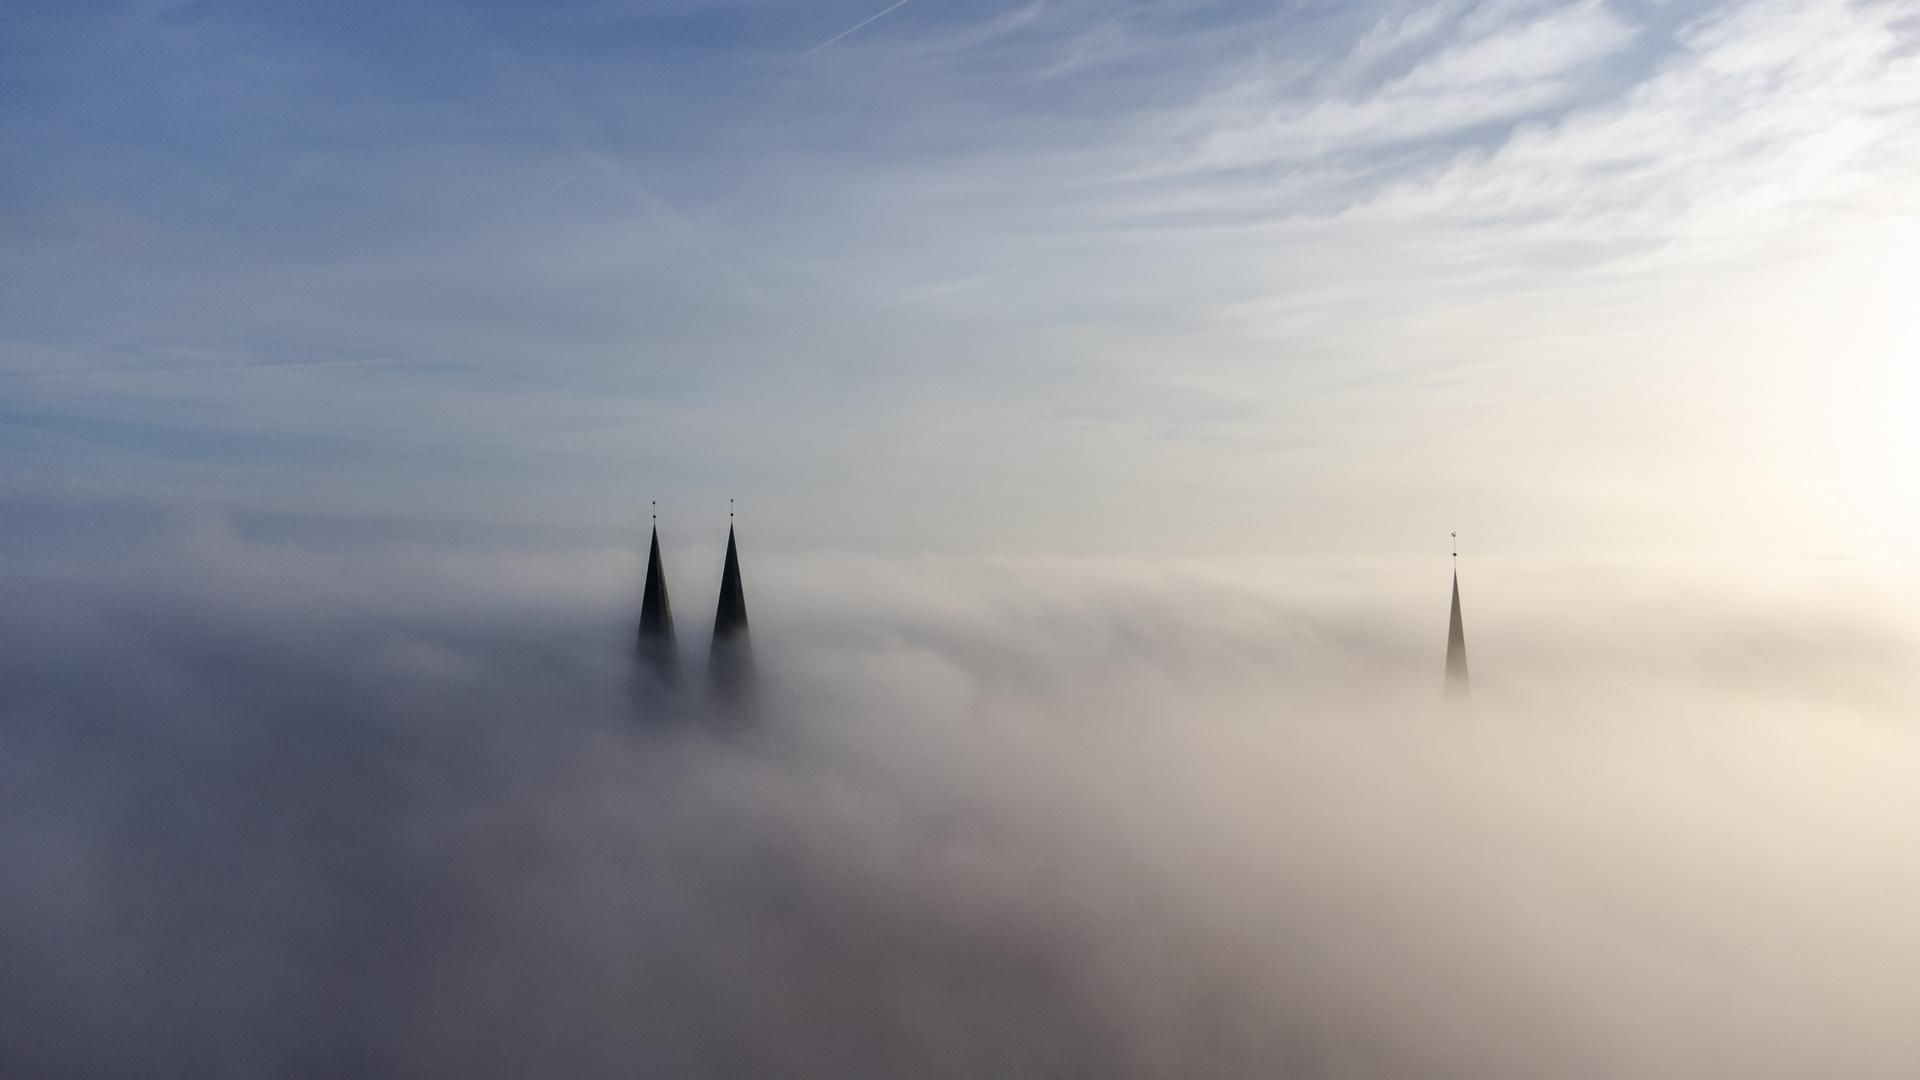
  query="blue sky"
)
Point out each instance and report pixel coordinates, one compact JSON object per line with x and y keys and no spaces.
{"x":1142,"y":278}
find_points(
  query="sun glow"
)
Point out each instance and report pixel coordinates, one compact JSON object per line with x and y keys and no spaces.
{"x":1870,"y":359}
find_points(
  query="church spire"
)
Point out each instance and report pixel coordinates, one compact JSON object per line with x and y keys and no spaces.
{"x":658,"y":650}
{"x":1456,"y":638}
{"x":730,"y":663}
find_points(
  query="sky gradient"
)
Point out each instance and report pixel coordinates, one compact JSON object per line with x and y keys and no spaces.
{"x":1177,"y":278}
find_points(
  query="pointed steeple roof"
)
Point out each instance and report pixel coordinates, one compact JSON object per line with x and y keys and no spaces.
{"x":1456,"y":648}
{"x":731,"y":616}
{"x":657,"y":645}
{"x":730,"y":662}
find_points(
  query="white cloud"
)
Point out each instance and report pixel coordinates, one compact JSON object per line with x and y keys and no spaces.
{"x":1769,"y":113}
{"x":1399,"y":31}
{"x":1506,"y":72}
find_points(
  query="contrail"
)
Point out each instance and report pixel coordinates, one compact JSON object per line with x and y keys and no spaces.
{"x":936,"y":290}
{"x":533,"y":198}
{"x":677,"y":223}
{"x":822,"y":45}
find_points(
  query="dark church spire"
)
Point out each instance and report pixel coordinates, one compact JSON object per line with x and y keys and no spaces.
{"x":730,"y":663}
{"x":658,"y":650}
{"x":1456,"y":639}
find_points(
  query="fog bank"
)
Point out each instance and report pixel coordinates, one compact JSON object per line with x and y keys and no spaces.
{"x":267,"y":810}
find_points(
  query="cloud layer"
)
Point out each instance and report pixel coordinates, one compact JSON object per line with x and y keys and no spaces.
{"x":1052,"y":818}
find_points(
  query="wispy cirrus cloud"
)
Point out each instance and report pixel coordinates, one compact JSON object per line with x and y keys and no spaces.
{"x":1488,"y":70}
{"x":1766,"y":114}
{"x":1757,"y":116}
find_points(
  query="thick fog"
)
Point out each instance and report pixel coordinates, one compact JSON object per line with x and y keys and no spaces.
{"x":272,"y":810}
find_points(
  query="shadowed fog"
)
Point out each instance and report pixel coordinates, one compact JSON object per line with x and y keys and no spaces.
{"x":272,"y":812}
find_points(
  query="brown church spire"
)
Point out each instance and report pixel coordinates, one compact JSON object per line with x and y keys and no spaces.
{"x":730,"y":663}
{"x":659,"y":652}
{"x":1456,"y":640}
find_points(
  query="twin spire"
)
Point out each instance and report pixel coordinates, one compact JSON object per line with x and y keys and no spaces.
{"x":730,"y":660}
